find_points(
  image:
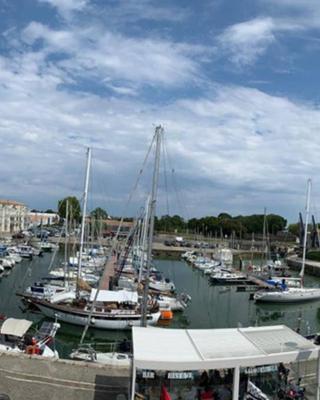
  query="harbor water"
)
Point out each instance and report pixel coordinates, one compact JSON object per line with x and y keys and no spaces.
{"x":211,"y":306}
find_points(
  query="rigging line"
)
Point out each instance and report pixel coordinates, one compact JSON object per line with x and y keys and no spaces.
{"x":181,"y":204}
{"x":165,"y":176}
{"x":129,"y":242}
{"x":115,"y":239}
{"x":56,"y":248}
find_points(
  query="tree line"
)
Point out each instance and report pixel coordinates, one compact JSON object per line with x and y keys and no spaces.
{"x":223,"y":224}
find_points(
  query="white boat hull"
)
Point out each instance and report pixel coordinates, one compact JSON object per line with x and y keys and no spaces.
{"x":116,"y":322}
{"x":289,"y":296}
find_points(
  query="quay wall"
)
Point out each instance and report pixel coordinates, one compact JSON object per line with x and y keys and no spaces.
{"x":311,"y":267}
{"x":32,"y":378}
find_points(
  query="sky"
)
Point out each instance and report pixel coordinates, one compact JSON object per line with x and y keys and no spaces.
{"x":235,"y":84}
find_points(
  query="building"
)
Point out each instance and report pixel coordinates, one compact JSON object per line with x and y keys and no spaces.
{"x":111,"y":227}
{"x":36,"y":218}
{"x":12,"y":216}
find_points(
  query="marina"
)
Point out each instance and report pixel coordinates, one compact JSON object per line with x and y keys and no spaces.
{"x":159,"y":213}
{"x":221,"y":306}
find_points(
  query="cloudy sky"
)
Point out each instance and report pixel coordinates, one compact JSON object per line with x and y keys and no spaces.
{"x":234,"y":83}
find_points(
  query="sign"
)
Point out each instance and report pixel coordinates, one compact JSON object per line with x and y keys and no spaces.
{"x":261,"y":370}
{"x":180,"y":375}
{"x":148,"y":374}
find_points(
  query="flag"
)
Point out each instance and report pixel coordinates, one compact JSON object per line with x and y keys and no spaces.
{"x":164,"y":394}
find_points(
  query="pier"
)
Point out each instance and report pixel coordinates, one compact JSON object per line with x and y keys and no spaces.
{"x":311,"y":267}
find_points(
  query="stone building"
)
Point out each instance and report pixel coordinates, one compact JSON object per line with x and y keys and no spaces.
{"x":12,"y":216}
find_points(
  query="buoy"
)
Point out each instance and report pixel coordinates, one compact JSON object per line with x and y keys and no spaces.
{"x":166,"y":314}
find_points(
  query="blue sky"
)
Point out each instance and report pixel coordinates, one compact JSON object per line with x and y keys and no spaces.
{"x":235,"y":85}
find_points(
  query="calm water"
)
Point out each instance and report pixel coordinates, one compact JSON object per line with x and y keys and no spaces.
{"x":211,"y":306}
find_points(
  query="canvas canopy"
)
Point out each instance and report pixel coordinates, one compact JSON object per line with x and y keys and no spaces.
{"x":15,"y":327}
{"x":120,"y":296}
{"x":179,"y":349}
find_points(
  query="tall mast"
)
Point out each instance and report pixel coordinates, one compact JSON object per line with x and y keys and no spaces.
{"x":153,"y":200}
{"x":84,"y":211}
{"x":305,"y":231}
{"x":66,"y":282}
{"x":144,"y":237}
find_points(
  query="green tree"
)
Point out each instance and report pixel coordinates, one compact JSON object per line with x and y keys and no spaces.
{"x":99,"y":213}
{"x":74,"y":207}
{"x":294,"y":229}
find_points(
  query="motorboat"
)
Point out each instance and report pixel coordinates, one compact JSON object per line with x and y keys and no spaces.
{"x":174,"y":303}
{"x":227,"y":278}
{"x":23,"y":251}
{"x":88,"y":354}
{"x":15,"y":338}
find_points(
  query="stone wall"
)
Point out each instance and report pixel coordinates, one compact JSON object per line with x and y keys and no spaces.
{"x":33,"y":378}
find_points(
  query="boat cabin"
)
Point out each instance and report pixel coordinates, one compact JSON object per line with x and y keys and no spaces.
{"x":13,"y":333}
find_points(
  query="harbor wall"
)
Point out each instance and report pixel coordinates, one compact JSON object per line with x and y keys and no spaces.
{"x":32,"y":378}
{"x":311,"y":267}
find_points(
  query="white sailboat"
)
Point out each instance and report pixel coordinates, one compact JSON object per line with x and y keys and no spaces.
{"x":285,"y":294}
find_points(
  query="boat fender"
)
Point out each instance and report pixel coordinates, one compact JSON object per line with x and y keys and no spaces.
{"x":93,"y":321}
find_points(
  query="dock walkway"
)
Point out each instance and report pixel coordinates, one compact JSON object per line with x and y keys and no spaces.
{"x":108,"y":273}
{"x":259,"y":282}
{"x":311,"y":267}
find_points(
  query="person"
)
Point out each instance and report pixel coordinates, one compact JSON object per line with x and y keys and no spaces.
{"x":204,"y":379}
{"x":283,"y":373}
{"x":215,"y":378}
{"x":207,"y":394}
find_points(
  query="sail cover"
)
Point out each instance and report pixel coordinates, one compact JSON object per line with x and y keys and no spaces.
{"x":113,"y":296}
{"x":15,"y":327}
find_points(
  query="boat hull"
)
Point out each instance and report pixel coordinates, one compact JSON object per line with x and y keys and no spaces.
{"x":296,"y":296}
{"x":115,"y":322}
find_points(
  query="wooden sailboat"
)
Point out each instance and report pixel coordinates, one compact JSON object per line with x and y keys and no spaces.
{"x":103,"y":309}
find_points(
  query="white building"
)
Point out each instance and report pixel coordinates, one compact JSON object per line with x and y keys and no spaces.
{"x":12,"y":216}
{"x":44,"y":218}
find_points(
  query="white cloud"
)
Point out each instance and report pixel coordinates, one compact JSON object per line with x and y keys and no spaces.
{"x":246,"y":41}
{"x":102,"y":54}
{"x":64,"y":7}
{"x":236,"y":149}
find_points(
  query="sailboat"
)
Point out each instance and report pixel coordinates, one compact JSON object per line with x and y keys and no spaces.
{"x":283,"y":293}
{"x":103,"y":309}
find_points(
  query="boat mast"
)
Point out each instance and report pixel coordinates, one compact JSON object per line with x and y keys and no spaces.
{"x":66,"y":282}
{"x":305,"y":231}
{"x":83,"y":222}
{"x":144,"y":237}
{"x":153,"y":200}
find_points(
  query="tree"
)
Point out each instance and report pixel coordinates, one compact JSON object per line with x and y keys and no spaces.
{"x":294,"y":229}
{"x":49,"y":211}
{"x":74,"y":208}
{"x":99,"y":213}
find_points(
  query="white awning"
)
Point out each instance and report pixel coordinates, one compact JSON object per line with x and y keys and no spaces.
{"x":112,"y":296}
{"x":179,"y":349}
{"x":15,"y":327}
